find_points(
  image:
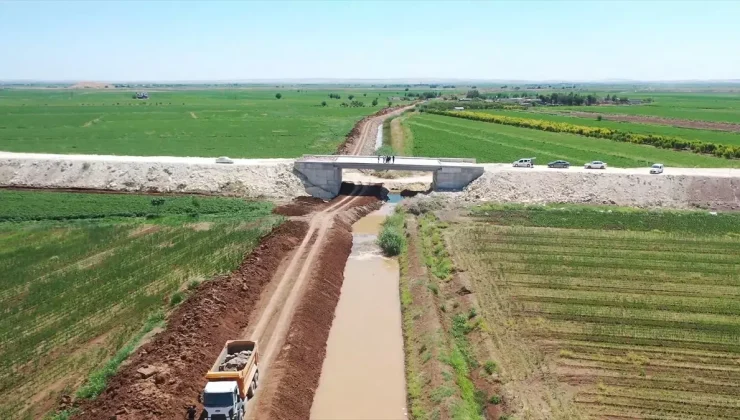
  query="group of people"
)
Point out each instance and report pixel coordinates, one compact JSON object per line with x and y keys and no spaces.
{"x":386,"y":159}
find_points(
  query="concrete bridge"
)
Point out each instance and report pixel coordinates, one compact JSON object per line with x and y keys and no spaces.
{"x":322,"y":175}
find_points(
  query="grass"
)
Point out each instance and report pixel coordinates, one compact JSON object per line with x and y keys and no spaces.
{"x":78,"y":295}
{"x":633,"y":311}
{"x":225,"y":122}
{"x":43,"y":205}
{"x":719,"y":137}
{"x":720,"y":107}
{"x":437,"y":135}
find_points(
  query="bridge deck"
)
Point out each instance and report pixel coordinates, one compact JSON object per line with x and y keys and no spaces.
{"x":400,"y":163}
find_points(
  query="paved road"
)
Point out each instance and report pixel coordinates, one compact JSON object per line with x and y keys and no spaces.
{"x":489,"y":167}
{"x":721,"y":172}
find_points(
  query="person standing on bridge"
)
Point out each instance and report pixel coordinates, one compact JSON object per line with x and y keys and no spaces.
{"x":393,"y":158}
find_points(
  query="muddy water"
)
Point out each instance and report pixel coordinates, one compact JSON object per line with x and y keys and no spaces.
{"x":363,"y":373}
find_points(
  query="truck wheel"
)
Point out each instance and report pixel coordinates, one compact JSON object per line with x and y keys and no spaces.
{"x":250,"y":391}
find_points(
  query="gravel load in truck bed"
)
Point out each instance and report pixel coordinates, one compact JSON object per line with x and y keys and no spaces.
{"x":235,"y":362}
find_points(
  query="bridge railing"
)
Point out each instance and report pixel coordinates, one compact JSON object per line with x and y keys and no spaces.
{"x":441,"y":159}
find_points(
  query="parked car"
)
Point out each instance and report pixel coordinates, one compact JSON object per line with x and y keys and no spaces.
{"x":559,"y":164}
{"x":597,"y":164}
{"x":224,"y":159}
{"x":656,"y":168}
{"x":525,"y":163}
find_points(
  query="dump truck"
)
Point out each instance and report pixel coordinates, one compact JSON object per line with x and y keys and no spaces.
{"x":232,"y":381}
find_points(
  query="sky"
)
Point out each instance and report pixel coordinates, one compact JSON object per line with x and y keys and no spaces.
{"x":415,"y":40}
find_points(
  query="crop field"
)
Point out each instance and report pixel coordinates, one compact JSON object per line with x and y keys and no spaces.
{"x":717,"y":107}
{"x":248,"y":123}
{"x":75,"y":293}
{"x":621,"y":314}
{"x":437,"y":135}
{"x":721,"y":137}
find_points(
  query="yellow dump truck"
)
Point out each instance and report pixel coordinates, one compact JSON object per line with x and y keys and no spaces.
{"x":232,"y":381}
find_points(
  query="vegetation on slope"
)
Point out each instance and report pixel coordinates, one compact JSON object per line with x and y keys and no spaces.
{"x":78,"y":295}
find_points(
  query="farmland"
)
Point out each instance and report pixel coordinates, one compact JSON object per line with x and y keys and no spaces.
{"x":436,"y":135}
{"x":686,"y":133}
{"x":76,"y":292}
{"x":718,"y":107}
{"x":249,"y":123}
{"x":607,"y":314}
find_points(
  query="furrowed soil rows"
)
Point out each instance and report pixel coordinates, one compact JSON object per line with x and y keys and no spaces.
{"x":617,"y":322}
{"x":192,"y":340}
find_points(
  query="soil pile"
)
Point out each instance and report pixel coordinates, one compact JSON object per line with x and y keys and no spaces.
{"x":669,"y":191}
{"x":176,"y":360}
{"x":297,"y":369}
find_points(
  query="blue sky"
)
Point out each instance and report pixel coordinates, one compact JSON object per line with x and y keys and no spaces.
{"x":523,"y":40}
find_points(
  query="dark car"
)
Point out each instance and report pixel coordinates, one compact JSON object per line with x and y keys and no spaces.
{"x":559,"y":164}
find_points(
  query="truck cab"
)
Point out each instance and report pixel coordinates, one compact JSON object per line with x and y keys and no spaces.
{"x":221,"y":401}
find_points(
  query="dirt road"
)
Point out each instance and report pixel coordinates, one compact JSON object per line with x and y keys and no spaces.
{"x":364,"y":143}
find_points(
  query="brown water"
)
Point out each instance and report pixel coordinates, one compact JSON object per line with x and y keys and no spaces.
{"x":363,"y":373}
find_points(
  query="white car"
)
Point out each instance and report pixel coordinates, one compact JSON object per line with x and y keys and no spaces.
{"x":597,"y":164}
{"x":224,"y":159}
{"x":523,"y":163}
{"x":656,"y":169}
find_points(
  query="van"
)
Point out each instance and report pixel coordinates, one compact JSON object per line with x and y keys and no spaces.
{"x":523,"y":163}
{"x":656,"y":169}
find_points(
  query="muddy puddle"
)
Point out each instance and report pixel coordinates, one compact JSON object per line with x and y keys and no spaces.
{"x":363,"y":373}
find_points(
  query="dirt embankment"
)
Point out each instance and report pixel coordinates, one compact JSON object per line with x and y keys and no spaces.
{"x":675,"y":122}
{"x":294,"y":376}
{"x":178,"y":357}
{"x":662,"y":191}
{"x":262,"y":178}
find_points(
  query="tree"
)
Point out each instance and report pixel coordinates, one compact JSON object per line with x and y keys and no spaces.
{"x":323,"y":103}
{"x":407,"y":89}
{"x":364,"y":94}
{"x":390,"y":104}
{"x":473,"y":94}
{"x":278,"y":95}
{"x":351,"y":97}
{"x":375,"y":102}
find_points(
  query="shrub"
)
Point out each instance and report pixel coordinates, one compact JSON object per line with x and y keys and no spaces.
{"x":495,"y":399}
{"x":391,"y":238}
{"x":176,"y":298}
{"x":599,"y":118}
{"x":278,"y":95}
{"x":323,"y":103}
{"x":490,"y":367}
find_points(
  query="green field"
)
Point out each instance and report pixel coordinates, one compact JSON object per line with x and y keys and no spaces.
{"x":719,"y":137}
{"x":76,"y":292}
{"x":591,"y":314}
{"x":718,"y":107}
{"x":437,"y":135}
{"x":235,"y":122}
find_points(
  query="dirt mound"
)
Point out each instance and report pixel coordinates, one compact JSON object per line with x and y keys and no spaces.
{"x":175,"y":361}
{"x":297,"y":368}
{"x":300,"y":206}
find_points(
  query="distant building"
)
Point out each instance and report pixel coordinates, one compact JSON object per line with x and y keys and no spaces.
{"x":459,"y":108}
{"x":141,"y":95}
{"x":635,"y":101}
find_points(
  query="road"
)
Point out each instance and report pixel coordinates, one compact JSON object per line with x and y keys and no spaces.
{"x":719,"y":172}
{"x":366,"y":142}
